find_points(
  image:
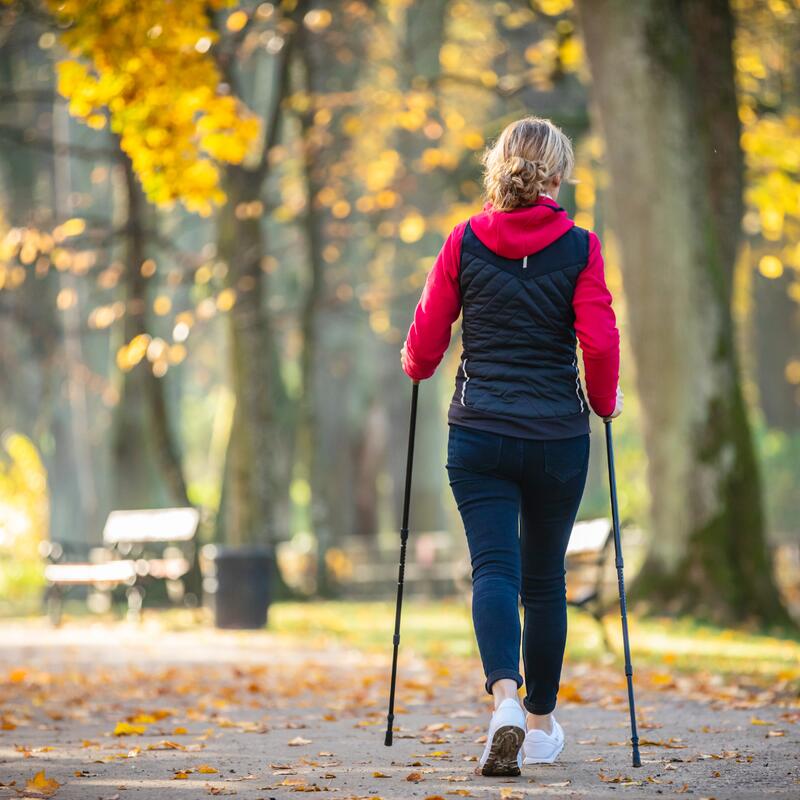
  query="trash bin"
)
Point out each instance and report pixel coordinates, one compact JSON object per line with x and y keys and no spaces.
{"x":238,"y":581}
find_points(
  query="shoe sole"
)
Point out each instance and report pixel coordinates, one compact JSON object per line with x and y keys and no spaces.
{"x":502,"y":758}
{"x":548,"y":760}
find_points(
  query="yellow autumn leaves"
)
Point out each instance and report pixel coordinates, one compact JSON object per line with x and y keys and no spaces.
{"x":147,"y":70}
{"x":42,"y":786}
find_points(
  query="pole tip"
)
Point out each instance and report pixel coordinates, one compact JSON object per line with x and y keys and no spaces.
{"x":637,"y":762}
{"x":388,"y":740}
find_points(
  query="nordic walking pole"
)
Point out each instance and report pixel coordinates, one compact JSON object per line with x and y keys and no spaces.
{"x":401,"y":573}
{"x":612,"y":480}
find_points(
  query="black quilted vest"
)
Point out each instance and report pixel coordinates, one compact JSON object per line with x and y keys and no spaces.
{"x":519,"y":371}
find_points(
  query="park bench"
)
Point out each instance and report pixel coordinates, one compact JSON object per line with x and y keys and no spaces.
{"x":138,"y":546}
{"x":590,"y":569}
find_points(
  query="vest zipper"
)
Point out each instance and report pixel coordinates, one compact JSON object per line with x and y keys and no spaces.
{"x":464,"y":383}
{"x":525,"y":263}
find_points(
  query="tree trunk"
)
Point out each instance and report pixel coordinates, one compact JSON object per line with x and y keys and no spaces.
{"x":666,"y":106}
{"x":422,"y":39}
{"x":146,"y":459}
{"x":254,"y":505}
{"x":252,"y":469}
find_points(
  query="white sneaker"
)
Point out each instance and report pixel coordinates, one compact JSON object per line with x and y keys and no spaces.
{"x":503,"y":752}
{"x":541,"y":747}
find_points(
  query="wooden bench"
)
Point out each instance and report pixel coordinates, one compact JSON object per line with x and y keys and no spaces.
{"x":590,"y":568}
{"x":148,"y":544}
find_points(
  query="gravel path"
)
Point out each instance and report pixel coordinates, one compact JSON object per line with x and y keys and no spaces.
{"x":206,"y":713}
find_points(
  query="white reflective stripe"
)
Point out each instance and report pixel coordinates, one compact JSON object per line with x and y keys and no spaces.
{"x":525,"y":263}
{"x":466,"y":380}
{"x":578,"y":382}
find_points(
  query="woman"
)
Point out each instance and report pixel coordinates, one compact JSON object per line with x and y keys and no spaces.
{"x":528,"y":281}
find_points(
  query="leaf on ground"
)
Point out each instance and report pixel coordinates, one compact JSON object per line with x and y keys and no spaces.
{"x":293,"y":782}
{"x":770,"y":734}
{"x":181,"y":775}
{"x":41,"y":785}
{"x":558,"y":784}
{"x":207,"y":769}
{"x":127,"y":729}
{"x":673,"y":743}
{"x":17,"y":675}
{"x":757,"y":721}
{"x":414,"y":777}
{"x":662,"y":679}
{"x":380,"y":775}
{"x":298,"y":741}
{"x":165,"y":744}
{"x":624,"y":780}
{"x":569,"y":691}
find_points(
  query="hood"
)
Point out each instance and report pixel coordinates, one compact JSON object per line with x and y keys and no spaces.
{"x":523,"y":231}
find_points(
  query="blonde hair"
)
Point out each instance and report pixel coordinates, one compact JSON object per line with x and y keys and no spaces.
{"x":523,"y":162}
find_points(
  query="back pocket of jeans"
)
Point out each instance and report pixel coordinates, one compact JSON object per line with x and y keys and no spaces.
{"x":473,"y":449}
{"x":565,"y":459}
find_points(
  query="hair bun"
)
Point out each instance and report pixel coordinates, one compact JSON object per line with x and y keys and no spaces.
{"x":527,"y":158}
{"x":516,"y":164}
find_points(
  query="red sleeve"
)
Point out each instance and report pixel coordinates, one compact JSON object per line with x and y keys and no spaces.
{"x":437,"y":310}
{"x":596,"y":327}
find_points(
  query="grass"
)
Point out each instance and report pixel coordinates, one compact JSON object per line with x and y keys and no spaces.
{"x":444,"y":629}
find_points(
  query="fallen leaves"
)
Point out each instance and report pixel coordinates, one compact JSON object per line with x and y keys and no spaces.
{"x":128,"y":729}
{"x":673,"y":742}
{"x":41,"y":786}
{"x":165,"y":744}
{"x":622,"y":780}
{"x":298,"y":741}
{"x":569,"y":692}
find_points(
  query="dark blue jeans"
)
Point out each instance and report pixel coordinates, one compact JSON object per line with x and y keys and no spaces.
{"x":518,"y":499}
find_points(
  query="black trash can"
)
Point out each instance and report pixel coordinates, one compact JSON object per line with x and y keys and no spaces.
{"x":238,"y":581}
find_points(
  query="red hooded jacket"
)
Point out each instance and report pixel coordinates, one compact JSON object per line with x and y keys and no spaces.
{"x":515,"y":234}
